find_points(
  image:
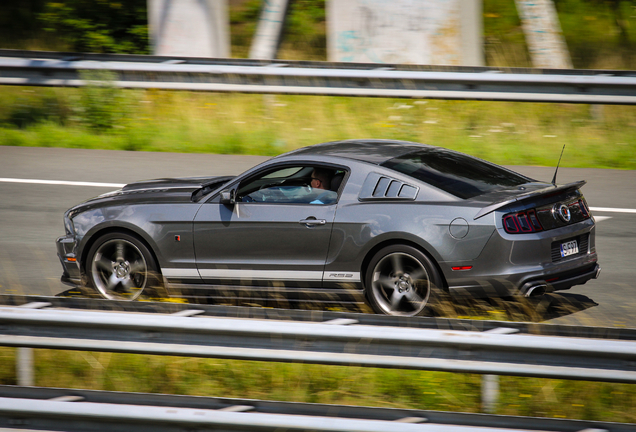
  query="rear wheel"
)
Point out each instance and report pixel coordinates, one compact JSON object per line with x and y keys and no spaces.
{"x":400,"y":280}
{"x":120,"y":267}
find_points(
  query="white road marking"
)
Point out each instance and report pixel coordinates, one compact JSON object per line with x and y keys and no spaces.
{"x":62,"y":182}
{"x":601,"y":218}
{"x":614,"y":210}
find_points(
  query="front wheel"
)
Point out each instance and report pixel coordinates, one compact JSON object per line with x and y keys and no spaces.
{"x":400,"y":280}
{"x":120,"y":267}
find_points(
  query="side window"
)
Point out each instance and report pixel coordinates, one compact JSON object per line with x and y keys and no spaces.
{"x":292,"y":184}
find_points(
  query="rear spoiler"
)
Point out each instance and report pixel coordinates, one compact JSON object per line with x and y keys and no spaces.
{"x":534,"y":194}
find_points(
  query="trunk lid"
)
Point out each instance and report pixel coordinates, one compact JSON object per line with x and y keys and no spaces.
{"x":532,"y":194}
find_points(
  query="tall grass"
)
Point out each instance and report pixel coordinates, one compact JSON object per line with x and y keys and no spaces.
{"x":299,"y":382}
{"x":503,"y":132}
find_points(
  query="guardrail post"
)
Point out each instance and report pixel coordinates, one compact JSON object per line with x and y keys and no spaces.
{"x":24,"y":366}
{"x":489,"y":393}
{"x":596,"y":111}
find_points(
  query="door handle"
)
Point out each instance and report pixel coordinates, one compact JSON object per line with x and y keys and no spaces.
{"x":313,"y":221}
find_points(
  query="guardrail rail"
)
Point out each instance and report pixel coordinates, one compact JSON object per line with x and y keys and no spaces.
{"x":40,"y":68}
{"x":80,"y":410}
{"x":487,"y":347}
{"x":337,"y":342}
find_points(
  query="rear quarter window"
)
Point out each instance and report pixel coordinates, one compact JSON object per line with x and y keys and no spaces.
{"x":456,"y":173}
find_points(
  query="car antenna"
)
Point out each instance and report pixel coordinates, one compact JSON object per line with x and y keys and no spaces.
{"x":557,"y":167}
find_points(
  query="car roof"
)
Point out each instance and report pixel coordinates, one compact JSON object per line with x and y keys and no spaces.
{"x":374,"y":151}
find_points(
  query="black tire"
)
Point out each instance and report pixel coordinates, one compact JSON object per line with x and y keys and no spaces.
{"x":120,"y":267}
{"x":400,"y":281}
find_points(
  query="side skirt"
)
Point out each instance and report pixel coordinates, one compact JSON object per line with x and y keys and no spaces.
{"x":261,"y":294}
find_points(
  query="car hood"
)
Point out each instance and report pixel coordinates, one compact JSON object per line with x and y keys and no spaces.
{"x":165,"y":190}
{"x":190,"y":183}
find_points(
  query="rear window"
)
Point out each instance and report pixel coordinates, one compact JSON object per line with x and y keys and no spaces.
{"x":456,"y":173}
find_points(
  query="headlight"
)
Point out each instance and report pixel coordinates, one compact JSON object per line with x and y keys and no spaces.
{"x":68,"y":225}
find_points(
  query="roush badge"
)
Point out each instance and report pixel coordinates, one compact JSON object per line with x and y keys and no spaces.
{"x":562,"y":211}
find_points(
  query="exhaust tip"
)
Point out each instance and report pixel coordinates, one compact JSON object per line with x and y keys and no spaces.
{"x":533,"y":289}
{"x":536,"y":291}
{"x":598,"y":273}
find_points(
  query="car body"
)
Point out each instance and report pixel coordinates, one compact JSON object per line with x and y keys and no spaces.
{"x":397,"y":221}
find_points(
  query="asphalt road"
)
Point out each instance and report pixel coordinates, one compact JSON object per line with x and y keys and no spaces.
{"x":31,"y":220}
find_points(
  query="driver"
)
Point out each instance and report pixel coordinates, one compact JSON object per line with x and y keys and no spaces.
{"x":321,"y":179}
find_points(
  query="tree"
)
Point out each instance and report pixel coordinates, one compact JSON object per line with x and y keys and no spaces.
{"x":100,"y":26}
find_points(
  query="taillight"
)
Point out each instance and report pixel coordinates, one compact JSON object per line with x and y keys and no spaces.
{"x":584,"y":208}
{"x":522,"y":222}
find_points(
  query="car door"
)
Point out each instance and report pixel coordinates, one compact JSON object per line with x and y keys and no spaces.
{"x":276,"y":232}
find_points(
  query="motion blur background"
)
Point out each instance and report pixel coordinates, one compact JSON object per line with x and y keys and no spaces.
{"x":100,"y":125}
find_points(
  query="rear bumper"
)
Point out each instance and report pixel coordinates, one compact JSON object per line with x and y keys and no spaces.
{"x":71,"y":274}
{"x":523,"y":264}
{"x":560,"y":281}
{"x":568,"y":280}
{"x":531,"y":284}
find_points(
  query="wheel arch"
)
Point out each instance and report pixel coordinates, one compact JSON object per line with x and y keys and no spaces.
{"x":112,"y":229}
{"x":399,"y":241}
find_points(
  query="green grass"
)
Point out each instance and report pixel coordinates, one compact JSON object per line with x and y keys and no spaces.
{"x":502,"y":132}
{"x":325,"y":384}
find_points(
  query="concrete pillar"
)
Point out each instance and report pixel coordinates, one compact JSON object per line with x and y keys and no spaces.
{"x":189,"y":28}
{"x":439,"y":32}
{"x":270,"y":29}
{"x":544,"y":38}
{"x":472,"y":33}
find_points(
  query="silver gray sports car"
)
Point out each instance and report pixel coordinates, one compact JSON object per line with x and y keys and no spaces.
{"x":393,"y":220}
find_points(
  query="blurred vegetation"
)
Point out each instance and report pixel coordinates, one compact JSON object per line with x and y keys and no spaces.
{"x":345,"y":385}
{"x":101,"y":105}
{"x":101,"y":26}
{"x":599,"y":33}
{"x":305,"y":29}
{"x":153,"y":120}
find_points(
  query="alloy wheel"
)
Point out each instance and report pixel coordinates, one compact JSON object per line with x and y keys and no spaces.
{"x":400,"y":284}
{"x":119,"y":270}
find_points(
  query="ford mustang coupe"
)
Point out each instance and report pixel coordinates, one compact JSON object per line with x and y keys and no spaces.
{"x":391,"y":220}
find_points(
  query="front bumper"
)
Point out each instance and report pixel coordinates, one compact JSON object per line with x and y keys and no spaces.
{"x":66,"y":247}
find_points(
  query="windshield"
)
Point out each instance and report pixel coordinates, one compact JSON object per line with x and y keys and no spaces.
{"x":456,"y":173}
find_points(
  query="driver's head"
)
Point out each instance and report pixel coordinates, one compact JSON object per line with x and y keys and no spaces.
{"x":321,"y":178}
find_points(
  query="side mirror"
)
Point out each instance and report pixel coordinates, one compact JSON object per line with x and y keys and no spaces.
{"x":228,"y":197}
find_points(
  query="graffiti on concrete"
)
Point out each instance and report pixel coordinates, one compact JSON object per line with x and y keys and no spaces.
{"x":270,"y":29}
{"x":543,"y":34}
{"x":395,"y":31}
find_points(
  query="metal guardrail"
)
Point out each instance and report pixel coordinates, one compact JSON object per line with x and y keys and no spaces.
{"x":337,"y":342}
{"x":322,"y":78}
{"x":80,"y":410}
{"x":319,"y":316}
